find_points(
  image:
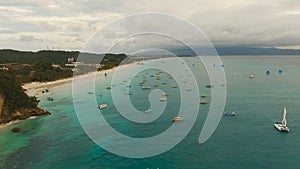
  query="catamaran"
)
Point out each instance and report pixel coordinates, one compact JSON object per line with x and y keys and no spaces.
{"x":281,"y":126}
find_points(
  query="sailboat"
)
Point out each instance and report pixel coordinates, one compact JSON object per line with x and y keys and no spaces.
{"x":282,"y":126}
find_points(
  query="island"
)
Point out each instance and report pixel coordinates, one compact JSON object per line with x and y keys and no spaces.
{"x":21,"y":67}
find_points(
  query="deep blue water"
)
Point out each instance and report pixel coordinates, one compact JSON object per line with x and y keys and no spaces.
{"x":247,"y":140}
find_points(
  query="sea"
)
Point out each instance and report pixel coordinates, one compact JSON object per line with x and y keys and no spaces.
{"x":245,"y":141}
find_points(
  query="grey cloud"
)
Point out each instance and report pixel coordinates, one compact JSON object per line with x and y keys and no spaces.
{"x":26,"y":38}
{"x":232,"y":22}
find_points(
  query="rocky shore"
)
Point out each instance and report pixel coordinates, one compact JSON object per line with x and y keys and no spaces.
{"x":21,"y":114}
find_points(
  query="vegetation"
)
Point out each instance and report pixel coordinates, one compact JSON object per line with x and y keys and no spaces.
{"x":15,"y":98}
{"x":17,"y":67}
{"x":38,"y":66}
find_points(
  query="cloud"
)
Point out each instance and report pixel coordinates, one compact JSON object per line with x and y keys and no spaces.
{"x":226,"y":23}
{"x":29,"y":38}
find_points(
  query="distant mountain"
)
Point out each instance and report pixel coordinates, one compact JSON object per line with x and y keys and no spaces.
{"x":255,"y":51}
{"x":237,"y":51}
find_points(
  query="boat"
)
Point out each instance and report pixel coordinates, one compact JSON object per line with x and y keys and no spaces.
{"x":174,"y":86}
{"x":108,"y":87}
{"x":141,"y":83}
{"x":231,"y":113}
{"x":174,"y":119}
{"x":202,"y":101}
{"x":281,"y":126}
{"x":163,"y":99}
{"x":165,"y":94}
{"x":251,"y":76}
{"x":203,"y":95}
{"x":102,"y":106}
{"x":268,"y":72}
{"x":146,"y":87}
{"x":188,"y":89}
{"x":148,"y":111}
{"x":208,"y":86}
{"x":155,"y":85}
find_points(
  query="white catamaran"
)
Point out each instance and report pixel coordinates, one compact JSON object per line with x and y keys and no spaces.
{"x":282,"y":126}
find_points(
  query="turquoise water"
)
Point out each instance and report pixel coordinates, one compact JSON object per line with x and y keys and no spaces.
{"x":247,"y":140}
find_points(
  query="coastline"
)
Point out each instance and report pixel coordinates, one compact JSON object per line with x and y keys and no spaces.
{"x":36,"y":88}
{"x":33,"y":88}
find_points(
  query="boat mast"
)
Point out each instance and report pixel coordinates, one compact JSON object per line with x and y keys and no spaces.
{"x":284,"y":117}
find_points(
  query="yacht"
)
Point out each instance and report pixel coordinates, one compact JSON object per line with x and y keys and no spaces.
{"x":282,"y":126}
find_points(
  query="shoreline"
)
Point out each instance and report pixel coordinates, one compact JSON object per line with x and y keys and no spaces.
{"x":35,"y":88}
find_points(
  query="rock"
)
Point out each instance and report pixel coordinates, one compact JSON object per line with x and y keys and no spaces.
{"x":16,"y":129}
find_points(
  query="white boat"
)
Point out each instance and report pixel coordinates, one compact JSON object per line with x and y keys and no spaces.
{"x":203,"y":95}
{"x":281,"y":126}
{"x":148,"y":111}
{"x":146,"y":87}
{"x":177,"y":119}
{"x":174,"y":86}
{"x":102,"y":106}
{"x":163,"y":99}
{"x":165,"y":94}
{"x":202,"y":101}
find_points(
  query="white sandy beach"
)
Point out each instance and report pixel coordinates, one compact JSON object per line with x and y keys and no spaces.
{"x":33,"y":88}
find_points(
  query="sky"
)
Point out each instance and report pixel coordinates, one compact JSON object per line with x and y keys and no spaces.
{"x":70,"y":25}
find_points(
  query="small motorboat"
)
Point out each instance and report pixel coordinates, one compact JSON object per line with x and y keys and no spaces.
{"x":163,"y":99}
{"x":251,"y":76}
{"x":208,"y":86}
{"x":189,"y":89}
{"x":102,"y":106}
{"x":203,"y":95}
{"x":148,"y":111}
{"x":282,"y":126}
{"x":165,"y":94}
{"x":174,"y":119}
{"x":202,"y":101}
{"x":146,"y":87}
{"x":230,"y":113}
{"x":174,"y":86}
